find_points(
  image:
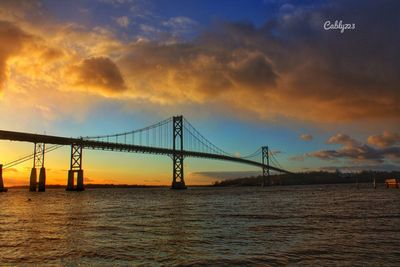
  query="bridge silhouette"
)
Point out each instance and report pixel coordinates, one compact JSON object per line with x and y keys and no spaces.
{"x":175,"y":137}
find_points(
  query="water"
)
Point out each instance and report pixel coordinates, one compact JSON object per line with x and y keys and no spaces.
{"x":296,"y":225}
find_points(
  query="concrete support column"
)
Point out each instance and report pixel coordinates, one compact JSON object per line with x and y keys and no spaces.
{"x":2,"y":189}
{"x":70,"y":185}
{"x":79,"y":181}
{"x":42,"y":180}
{"x":38,"y":161}
{"x":33,"y":180}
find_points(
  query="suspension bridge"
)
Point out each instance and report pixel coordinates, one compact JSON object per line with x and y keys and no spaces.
{"x":175,"y":137}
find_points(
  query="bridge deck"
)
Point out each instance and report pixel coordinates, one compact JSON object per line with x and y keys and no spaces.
{"x":98,"y":145}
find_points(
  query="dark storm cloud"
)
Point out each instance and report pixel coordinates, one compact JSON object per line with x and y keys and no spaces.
{"x":254,"y":72}
{"x":354,"y":73}
{"x":291,"y":62}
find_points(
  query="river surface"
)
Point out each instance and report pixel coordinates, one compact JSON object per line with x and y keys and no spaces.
{"x":244,"y":226}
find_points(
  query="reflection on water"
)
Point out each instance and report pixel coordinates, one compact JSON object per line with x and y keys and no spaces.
{"x":304,"y":225}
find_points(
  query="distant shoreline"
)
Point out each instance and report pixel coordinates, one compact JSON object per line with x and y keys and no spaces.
{"x":309,"y":178}
{"x":87,"y":186}
{"x":313,"y":178}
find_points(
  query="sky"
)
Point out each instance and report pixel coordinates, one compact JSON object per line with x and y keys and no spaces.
{"x":244,"y":73}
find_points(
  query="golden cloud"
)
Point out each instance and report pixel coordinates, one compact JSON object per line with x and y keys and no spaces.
{"x":342,"y":139}
{"x":359,"y":152}
{"x":171,"y":73}
{"x":12,"y":40}
{"x":384,"y":140}
{"x":98,"y":73}
{"x":306,"y":137}
{"x":234,"y":67}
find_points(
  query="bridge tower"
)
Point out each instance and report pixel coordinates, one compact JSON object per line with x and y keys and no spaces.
{"x":265,"y":168}
{"x":38,"y":162}
{"x":178,"y":181}
{"x":75,"y":168}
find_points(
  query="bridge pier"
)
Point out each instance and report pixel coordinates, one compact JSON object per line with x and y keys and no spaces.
{"x":71,"y":180}
{"x":2,"y":188}
{"x":38,"y":161}
{"x":70,"y":184}
{"x":75,"y":169}
{"x":266,"y":179}
{"x":33,"y":180}
{"x":178,"y":181}
{"x":42,"y":180}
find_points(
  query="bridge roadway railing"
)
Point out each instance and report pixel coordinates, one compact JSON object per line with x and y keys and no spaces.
{"x":177,"y":153}
{"x":99,"y":145}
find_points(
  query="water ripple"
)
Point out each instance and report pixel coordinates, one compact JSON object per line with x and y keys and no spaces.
{"x":299,"y":225}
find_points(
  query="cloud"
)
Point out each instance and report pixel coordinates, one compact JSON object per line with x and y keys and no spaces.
{"x":342,"y":139}
{"x":288,"y":68}
{"x":12,"y":40}
{"x":356,"y":151}
{"x":49,"y":60}
{"x":98,"y":73}
{"x":384,"y":140}
{"x":179,"y":22}
{"x":306,"y":137}
{"x":122,"y":21}
{"x":21,"y":10}
{"x":117,"y":3}
{"x":298,"y":158}
{"x":254,"y":71}
{"x":330,"y":72}
{"x":148,"y":29}
{"x":180,"y":25}
{"x":171,"y":73}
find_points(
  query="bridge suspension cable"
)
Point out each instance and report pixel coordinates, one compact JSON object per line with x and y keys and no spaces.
{"x":160,"y":135}
{"x":175,"y":137}
{"x":29,"y":157}
{"x":195,"y":141}
{"x":274,"y":159}
{"x":254,"y":156}
{"x":156,"y":135}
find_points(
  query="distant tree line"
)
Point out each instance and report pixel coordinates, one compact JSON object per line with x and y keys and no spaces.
{"x":316,"y":177}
